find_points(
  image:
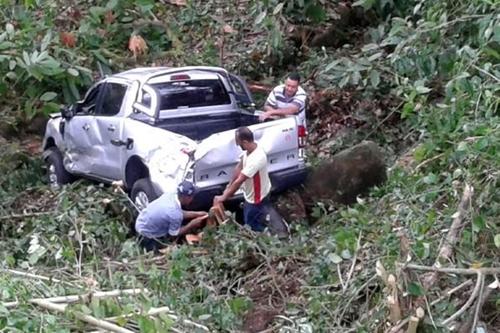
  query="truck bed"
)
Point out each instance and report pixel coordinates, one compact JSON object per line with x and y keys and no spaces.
{"x":200,"y":127}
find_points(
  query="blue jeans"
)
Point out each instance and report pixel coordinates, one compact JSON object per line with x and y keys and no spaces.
{"x":254,"y":214}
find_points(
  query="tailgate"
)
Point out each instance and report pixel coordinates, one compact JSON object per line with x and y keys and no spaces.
{"x":217,"y":155}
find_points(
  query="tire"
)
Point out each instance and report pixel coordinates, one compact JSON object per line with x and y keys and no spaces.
{"x":143,"y":193}
{"x":56,"y":173}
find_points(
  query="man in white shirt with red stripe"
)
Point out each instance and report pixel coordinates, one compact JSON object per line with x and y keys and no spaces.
{"x":252,"y":176}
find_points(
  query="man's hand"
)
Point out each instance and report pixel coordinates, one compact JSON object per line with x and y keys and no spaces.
{"x":218,"y":199}
{"x":264,"y":116}
{"x":201,"y":214}
{"x":196,"y":221}
{"x":193,"y":224}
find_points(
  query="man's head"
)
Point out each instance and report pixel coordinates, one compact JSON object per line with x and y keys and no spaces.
{"x":292,"y":84}
{"x":244,"y":138}
{"x":186,"y":191}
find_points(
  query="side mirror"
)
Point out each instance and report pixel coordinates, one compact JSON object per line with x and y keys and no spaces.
{"x":67,"y":112}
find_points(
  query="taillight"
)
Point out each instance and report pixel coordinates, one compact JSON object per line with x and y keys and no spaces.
{"x":302,"y":135}
{"x":178,"y":77}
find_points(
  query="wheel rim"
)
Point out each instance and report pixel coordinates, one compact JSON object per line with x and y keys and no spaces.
{"x":53,"y":183}
{"x":141,"y":200}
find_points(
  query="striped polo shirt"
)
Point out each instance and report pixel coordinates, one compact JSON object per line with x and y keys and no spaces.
{"x":277,"y":99}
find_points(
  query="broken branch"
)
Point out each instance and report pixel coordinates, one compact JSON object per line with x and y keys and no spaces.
{"x":36,"y":276}
{"x":449,"y":270}
{"x":98,"y":294}
{"x":452,"y":237}
{"x":475,"y":292}
{"x":87,"y":318}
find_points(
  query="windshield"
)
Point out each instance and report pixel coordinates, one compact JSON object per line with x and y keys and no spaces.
{"x":191,"y":94}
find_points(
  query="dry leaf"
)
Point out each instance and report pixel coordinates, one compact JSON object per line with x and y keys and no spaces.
{"x":228,"y":29}
{"x":177,"y":2}
{"x":137,"y":45}
{"x":109,"y":17}
{"x":191,"y":239}
{"x":67,"y":39}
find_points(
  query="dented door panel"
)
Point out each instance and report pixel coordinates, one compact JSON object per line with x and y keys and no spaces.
{"x":81,"y":138}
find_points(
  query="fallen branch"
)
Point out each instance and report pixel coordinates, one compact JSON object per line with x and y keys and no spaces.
{"x":351,"y":271}
{"x":403,"y":322}
{"x":449,"y":270}
{"x":452,"y":237}
{"x":98,"y":294}
{"x":168,"y":312}
{"x":24,"y":215}
{"x":8,"y":305}
{"x":475,"y":292}
{"x":87,"y":318}
{"x":36,"y":276}
{"x":438,"y":156}
{"x":472,"y":323}
{"x":451,"y":291}
{"x":479,"y":304}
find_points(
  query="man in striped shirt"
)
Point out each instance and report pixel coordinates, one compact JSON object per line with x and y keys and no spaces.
{"x":252,"y":176}
{"x":287,"y":99}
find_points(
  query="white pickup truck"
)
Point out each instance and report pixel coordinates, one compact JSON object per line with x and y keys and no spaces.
{"x":153,"y":127}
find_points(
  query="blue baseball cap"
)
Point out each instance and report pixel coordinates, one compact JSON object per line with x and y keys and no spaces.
{"x":186,"y":188}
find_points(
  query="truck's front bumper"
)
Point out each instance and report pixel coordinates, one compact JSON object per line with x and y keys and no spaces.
{"x":280,"y":180}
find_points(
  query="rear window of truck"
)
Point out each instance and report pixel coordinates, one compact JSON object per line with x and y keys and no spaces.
{"x":191,"y":94}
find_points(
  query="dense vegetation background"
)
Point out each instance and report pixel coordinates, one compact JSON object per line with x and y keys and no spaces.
{"x":420,"y":78}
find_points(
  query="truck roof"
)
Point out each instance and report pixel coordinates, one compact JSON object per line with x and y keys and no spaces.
{"x":143,"y":74}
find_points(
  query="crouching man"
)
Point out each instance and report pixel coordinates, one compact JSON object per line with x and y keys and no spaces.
{"x":163,"y":217}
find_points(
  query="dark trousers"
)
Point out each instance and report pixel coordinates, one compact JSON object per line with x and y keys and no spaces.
{"x":152,"y":244}
{"x":254,"y":214}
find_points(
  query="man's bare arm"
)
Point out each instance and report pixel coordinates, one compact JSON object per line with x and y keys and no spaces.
{"x":269,"y":108}
{"x":187,"y":214}
{"x":237,"y":171}
{"x":282,"y":112}
{"x":273,"y":113}
{"x":195,"y":223}
{"x":231,"y":189}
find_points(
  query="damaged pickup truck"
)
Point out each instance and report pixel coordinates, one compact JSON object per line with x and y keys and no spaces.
{"x":151,"y":128}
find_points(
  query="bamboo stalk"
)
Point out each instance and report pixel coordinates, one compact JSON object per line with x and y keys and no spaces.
{"x":8,"y":305}
{"x":394,"y":309}
{"x":379,"y":268}
{"x":169,"y":313}
{"x":98,"y":294}
{"x":461,"y":271}
{"x":415,"y":320}
{"x":30,"y":275}
{"x":412,"y":325}
{"x":86,"y":318}
{"x":392,"y":299}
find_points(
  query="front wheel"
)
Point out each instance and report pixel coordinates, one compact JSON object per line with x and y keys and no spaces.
{"x":56,"y":173}
{"x":143,"y":193}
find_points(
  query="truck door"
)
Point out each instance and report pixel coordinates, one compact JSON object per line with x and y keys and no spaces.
{"x":110,"y":146}
{"x":80,"y":134}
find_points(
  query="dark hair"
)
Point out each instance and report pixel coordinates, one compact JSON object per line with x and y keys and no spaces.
{"x":294,"y":76}
{"x":244,"y":133}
